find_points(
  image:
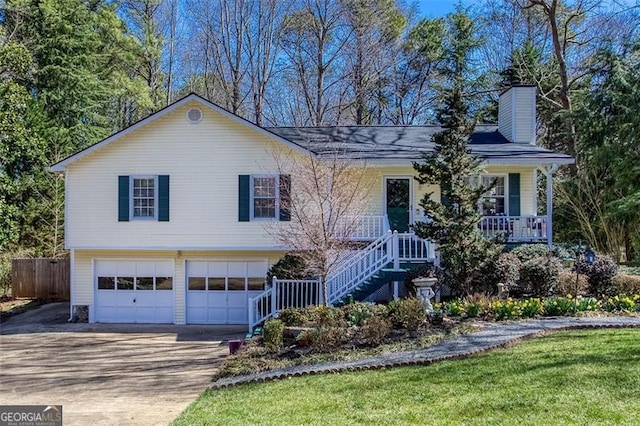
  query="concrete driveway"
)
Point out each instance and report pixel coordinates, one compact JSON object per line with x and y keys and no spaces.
{"x":107,"y":374}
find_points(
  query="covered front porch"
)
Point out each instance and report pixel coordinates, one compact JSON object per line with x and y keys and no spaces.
{"x":510,"y":209}
{"x":516,"y":229}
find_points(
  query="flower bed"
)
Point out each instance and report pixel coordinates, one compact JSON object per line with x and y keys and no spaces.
{"x":508,"y":309}
{"x":319,"y":333}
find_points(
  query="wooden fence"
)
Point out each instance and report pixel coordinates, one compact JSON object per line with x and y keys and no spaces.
{"x":40,"y":278}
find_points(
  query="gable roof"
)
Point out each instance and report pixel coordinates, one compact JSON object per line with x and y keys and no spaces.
{"x":390,"y":144}
{"x":384,"y":144}
{"x":61,"y":165}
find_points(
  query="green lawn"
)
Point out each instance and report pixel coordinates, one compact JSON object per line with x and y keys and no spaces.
{"x":577,"y":377}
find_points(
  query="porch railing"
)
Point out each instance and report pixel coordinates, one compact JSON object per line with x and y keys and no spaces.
{"x":516,"y":228}
{"x":363,"y":228}
{"x":413,"y":248}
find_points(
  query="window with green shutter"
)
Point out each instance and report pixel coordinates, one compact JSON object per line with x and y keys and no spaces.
{"x":143,"y":198}
{"x":264,"y":197}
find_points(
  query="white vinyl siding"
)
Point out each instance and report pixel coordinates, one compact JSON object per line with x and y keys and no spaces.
{"x":204,"y":162}
{"x":505,"y":115}
{"x":517,"y":114}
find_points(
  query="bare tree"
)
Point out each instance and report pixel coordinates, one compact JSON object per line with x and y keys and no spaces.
{"x":221,"y":27}
{"x":263,"y":48}
{"x":327,"y":198}
{"x":375,"y":28}
{"x":314,"y":42}
{"x":143,"y":18}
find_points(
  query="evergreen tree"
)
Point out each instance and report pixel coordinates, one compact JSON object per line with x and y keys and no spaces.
{"x":20,"y":151}
{"x":602,"y":202}
{"x":453,"y":223}
{"x":60,"y":94}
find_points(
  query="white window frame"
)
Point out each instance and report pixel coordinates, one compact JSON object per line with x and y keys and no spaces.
{"x":252,"y":197}
{"x":155,"y":198}
{"x":505,"y":176}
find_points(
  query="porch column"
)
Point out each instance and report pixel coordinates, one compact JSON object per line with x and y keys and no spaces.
{"x":548,"y":171}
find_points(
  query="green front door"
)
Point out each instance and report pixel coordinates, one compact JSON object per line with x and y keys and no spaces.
{"x":398,"y":203}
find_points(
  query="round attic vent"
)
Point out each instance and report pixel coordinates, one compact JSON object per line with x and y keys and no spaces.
{"x":194,"y":115}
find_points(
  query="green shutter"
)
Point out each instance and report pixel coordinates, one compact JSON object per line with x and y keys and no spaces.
{"x":123,"y":198}
{"x":514,"y":194}
{"x":163,"y":198}
{"x":285,"y":198}
{"x":244,"y":198}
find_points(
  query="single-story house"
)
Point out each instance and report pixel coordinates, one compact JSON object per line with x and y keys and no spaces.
{"x":164,"y":220}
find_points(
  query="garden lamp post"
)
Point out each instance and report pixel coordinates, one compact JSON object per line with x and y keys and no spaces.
{"x":589,"y":257}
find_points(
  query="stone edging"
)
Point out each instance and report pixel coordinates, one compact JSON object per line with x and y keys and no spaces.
{"x":496,"y":335}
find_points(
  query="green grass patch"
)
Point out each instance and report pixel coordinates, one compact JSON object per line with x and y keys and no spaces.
{"x":576,"y":377}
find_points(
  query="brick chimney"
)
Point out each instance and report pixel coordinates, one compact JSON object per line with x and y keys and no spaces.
{"x":517,"y":114}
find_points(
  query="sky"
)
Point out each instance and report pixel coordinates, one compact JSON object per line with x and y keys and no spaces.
{"x":434,"y":8}
{"x":437,"y":8}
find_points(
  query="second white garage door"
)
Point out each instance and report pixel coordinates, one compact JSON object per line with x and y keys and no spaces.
{"x":218,"y":291}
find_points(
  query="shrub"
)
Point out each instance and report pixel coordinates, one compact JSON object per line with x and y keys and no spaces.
{"x":356,"y":313}
{"x":409,"y":314}
{"x":566,"y":284}
{"x":626,"y":284}
{"x":273,"y":334}
{"x":289,"y":267}
{"x":293,"y":317}
{"x":559,"y":306}
{"x":506,"y":269}
{"x":539,"y":275}
{"x":324,"y":339}
{"x":505,"y":309}
{"x":5,"y":275}
{"x":622,"y":303}
{"x":600,"y":273}
{"x":327,"y":317}
{"x":455,"y":308}
{"x":375,"y":329}
{"x":587,"y":304}
{"x":473,"y":309}
{"x":503,"y":268}
{"x":529,"y":308}
{"x":528,"y":252}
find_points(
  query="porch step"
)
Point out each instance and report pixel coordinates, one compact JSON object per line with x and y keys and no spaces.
{"x":377,"y":280}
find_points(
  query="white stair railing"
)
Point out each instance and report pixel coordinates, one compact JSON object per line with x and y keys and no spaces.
{"x":355,"y":268}
{"x":283,"y":294}
{"x":370,"y":260}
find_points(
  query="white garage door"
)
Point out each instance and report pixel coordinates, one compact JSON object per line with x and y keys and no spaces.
{"x":134,"y":291}
{"x":218,"y":291}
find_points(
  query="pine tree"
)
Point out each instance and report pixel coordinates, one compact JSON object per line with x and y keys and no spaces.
{"x":453,"y":223}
